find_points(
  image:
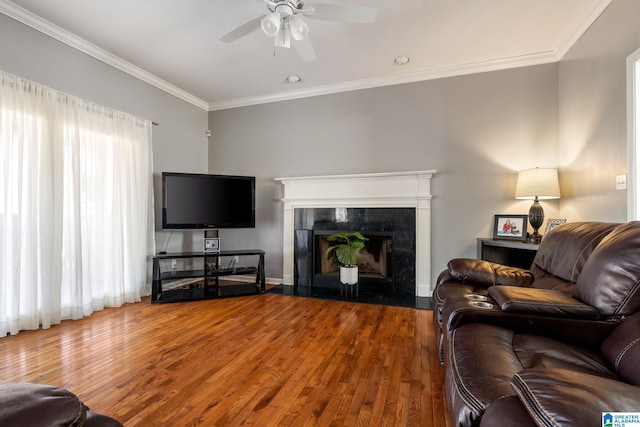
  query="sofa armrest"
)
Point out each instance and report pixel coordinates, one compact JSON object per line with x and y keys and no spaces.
{"x":488,"y":273}
{"x":555,"y":396}
{"x":544,"y":302}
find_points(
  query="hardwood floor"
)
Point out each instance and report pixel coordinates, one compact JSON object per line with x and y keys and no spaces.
{"x":257,"y":360}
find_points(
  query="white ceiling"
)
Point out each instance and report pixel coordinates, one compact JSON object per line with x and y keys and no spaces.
{"x":173,"y":44}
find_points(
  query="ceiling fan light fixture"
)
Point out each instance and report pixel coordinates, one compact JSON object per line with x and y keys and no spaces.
{"x":271,"y":24}
{"x":284,"y":21}
{"x":299,"y":28}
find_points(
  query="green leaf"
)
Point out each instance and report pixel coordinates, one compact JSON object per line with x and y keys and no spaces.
{"x":345,"y":253}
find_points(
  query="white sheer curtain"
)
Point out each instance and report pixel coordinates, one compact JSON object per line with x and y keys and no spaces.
{"x":76,"y":206}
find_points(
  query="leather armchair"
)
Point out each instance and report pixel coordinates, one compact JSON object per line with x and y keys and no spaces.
{"x":35,"y":405}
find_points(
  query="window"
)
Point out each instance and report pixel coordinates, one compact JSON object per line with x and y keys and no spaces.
{"x":633,"y":135}
{"x":76,"y":206}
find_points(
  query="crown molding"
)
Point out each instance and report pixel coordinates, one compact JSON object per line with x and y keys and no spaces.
{"x":594,"y":10}
{"x":34,"y":21}
{"x":423,"y":75}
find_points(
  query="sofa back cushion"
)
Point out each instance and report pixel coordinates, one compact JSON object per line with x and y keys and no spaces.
{"x":563,"y":253}
{"x":622,"y":349}
{"x":610,"y":279}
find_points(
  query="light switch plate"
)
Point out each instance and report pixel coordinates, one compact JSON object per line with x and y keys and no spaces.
{"x":621,"y":182}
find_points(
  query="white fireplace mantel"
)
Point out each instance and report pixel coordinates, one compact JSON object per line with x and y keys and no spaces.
{"x":374,"y":190}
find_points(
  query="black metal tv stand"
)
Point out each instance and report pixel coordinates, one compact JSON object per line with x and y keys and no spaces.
{"x":199,"y":273}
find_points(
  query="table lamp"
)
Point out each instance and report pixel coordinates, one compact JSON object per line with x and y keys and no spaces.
{"x":537,"y":184}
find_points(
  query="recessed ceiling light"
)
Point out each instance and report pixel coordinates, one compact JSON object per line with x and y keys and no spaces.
{"x":293,"y":79}
{"x":401,"y":60}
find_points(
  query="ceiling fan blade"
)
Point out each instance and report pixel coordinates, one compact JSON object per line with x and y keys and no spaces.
{"x":305,"y":49}
{"x":343,"y":13}
{"x":243,"y":30}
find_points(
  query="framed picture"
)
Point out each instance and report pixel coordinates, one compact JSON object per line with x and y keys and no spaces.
{"x":510,"y":227}
{"x":553,"y":223}
{"x":211,"y":244}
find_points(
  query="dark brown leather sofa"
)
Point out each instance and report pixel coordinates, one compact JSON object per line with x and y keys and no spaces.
{"x":498,"y":377}
{"x":553,"y":345}
{"x":36,"y":405}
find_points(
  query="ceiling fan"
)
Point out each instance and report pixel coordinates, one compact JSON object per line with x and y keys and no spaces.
{"x":284,"y":22}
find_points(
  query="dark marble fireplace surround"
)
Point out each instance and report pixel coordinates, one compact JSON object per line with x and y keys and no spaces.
{"x":398,"y":223}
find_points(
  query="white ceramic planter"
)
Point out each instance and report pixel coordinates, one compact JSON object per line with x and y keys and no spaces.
{"x":349,"y":275}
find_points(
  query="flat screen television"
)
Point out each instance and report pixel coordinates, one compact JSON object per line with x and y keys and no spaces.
{"x":199,"y":201}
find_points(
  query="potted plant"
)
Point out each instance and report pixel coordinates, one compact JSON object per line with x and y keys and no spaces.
{"x":345,"y":253}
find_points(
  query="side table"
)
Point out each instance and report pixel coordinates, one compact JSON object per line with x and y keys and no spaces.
{"x":507,"y":252}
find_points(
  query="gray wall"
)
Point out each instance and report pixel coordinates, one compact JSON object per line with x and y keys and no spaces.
{"x":477,"y":131}
{"x":592,"y":104}
{"x":179,"y":142}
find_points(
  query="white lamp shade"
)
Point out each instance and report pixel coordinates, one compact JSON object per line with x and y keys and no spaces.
{"x":299,"y":28}
{"x":539,"y":182}
{"x":283,"y":38}
{"x":271,"y":24}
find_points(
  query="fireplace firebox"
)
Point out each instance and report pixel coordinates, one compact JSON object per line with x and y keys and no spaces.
{"x":375,"y":265}
{"x":386,"y":265}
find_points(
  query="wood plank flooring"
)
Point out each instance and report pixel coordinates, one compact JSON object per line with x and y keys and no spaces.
{"x":263,"y":360}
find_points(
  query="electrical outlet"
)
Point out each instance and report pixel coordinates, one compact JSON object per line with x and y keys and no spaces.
{"x":174,"y":263}
{"x":236,"y":258}
{"x":621,"y":182}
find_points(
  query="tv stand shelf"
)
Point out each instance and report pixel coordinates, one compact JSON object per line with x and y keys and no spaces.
{"x":171,"y":284}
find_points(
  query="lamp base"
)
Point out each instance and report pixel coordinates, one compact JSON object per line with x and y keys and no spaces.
{"x":536,"y":218}
{"x":534,"y":238}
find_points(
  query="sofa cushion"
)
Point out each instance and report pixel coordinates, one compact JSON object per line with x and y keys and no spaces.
{"x":34,"y":405}
{"x":562,"y":397}
{"x":537,"y":350}
{"x":544,"y":280}
{"x":622,"y":349}
{"x":563,"y":253}
{"x":610,"y":279}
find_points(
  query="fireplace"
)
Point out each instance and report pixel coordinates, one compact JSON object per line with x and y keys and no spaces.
{"x":340,"y":202}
